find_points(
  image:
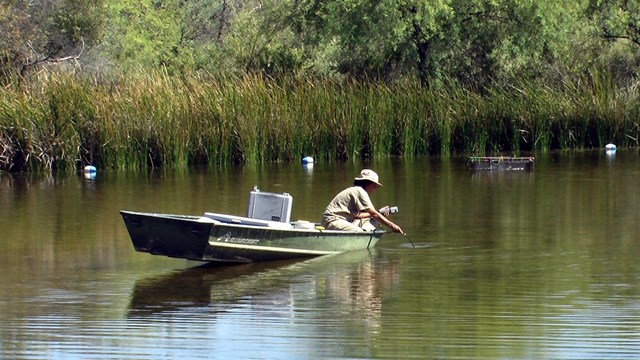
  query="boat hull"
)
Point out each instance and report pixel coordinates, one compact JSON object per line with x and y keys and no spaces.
{"x":201,"y":239}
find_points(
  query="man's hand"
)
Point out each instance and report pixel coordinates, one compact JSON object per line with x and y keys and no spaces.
{"x":386,"y":211}
{"x":396,"y":228}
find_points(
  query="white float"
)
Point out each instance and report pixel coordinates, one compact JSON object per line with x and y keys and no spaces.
{"x":90,"y":172}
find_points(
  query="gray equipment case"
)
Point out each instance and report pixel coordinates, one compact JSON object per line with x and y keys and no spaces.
{"x":269,"y":206}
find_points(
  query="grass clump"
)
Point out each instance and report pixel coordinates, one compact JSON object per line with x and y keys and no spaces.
{"x":61,"y":121}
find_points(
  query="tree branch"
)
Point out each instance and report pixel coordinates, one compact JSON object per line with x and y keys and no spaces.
{"x":51,"y":60}
{"x":623,"y":37}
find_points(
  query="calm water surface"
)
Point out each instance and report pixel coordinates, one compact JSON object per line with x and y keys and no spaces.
{"x":519,"y":265}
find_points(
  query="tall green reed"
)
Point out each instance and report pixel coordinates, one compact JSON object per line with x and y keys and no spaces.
{"x":57,"y":121}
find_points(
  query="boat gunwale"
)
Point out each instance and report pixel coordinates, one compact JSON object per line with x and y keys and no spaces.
{"x":195,"y":218}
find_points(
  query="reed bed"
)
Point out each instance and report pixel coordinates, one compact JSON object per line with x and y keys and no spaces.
{"x":59,"y":121}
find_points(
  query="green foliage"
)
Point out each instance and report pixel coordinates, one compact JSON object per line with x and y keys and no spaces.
{"x":47,"y":33}
{"x":477,"y":42}
{"x":149,"y":34}
{"x":14,"y":28}
{"x":474,"y":41}
{"x":619,"y":19}
{"x":618,"y":27}
{"x":76,"y":21}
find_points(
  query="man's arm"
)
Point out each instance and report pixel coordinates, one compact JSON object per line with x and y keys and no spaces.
{"x":375,"y":214}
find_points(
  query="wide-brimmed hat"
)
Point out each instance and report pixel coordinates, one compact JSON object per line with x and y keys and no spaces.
{"x":367,"y":174}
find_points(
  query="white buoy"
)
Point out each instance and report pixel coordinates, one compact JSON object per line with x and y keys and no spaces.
{"x":307,"y":160}
{"x":90,"y":172}
{"x":610,"y":148}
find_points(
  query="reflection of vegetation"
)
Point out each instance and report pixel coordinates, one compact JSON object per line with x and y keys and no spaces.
{"x":158,"y":120}
{"x":526,"y":262}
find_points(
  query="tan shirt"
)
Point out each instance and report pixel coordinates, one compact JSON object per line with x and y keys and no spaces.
{"x":347,"y":204}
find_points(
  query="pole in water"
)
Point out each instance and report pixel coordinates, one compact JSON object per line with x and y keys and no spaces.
{"x":407,"y":236}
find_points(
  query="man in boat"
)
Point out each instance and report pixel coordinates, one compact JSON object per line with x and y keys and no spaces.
{"x":352,"y":209}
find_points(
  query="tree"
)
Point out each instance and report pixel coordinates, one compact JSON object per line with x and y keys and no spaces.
{"x":146,"y":33}
{"x":14,"y":25}
{"x":618,"y":19}
{"x":617,"y":23}
{"x":471,"y":40}
{"x":46,"y":32}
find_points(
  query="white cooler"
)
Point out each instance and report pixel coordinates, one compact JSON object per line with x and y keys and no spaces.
{"x":269,"y":206}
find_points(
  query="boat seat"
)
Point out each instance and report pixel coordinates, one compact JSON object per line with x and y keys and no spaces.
{"x":239,"y":220}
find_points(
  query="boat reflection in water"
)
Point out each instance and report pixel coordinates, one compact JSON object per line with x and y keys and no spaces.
{"x":351,"y":281}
